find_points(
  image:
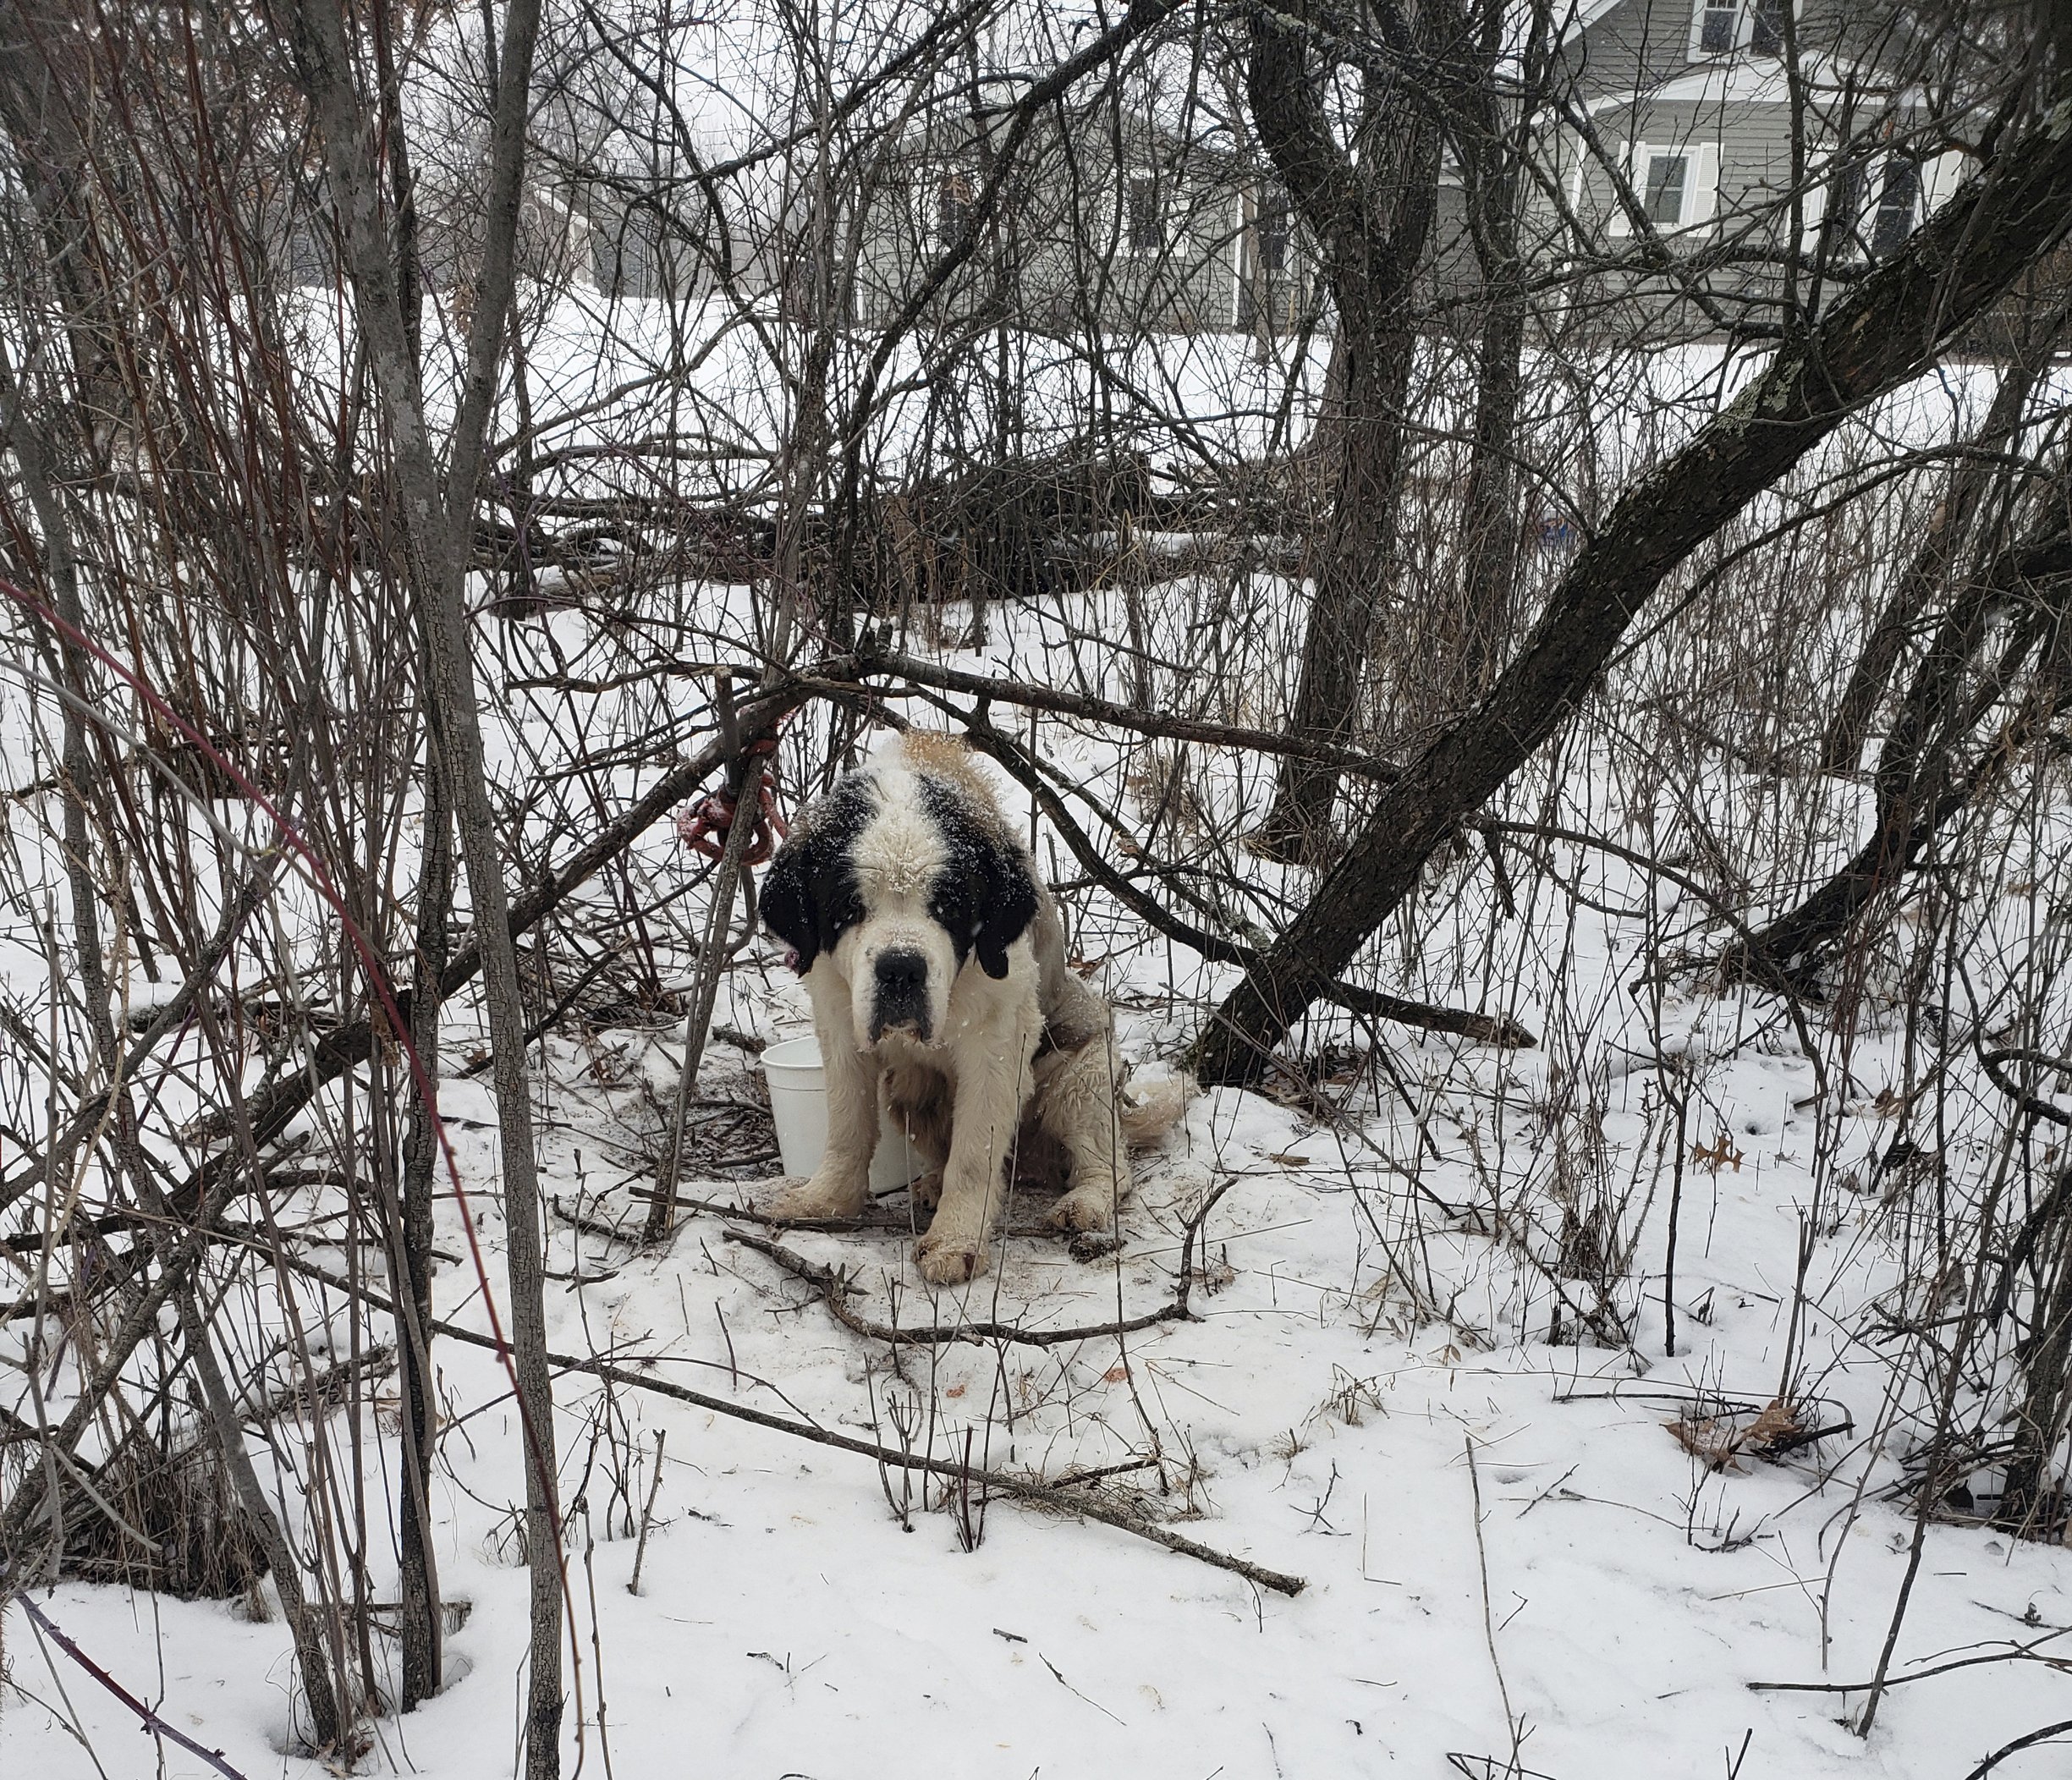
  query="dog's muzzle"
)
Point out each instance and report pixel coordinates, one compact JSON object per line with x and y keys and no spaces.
{"x":901,"y":995}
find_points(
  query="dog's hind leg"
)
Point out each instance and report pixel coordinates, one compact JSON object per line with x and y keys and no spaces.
{"x":1077,"y":1107}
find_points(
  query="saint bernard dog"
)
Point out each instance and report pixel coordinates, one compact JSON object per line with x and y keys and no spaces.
{"x":935,"y":962}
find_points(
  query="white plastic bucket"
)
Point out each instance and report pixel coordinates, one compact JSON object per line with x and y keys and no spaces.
{"x":799,"y":1106}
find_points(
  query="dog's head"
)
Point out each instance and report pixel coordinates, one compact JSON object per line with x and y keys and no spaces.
{"x":899,"y":877}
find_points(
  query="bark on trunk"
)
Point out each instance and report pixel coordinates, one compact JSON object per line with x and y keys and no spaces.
{"x":2032,"y":1502}
{"x":423,"y":1645}
{"x":1889,"y":330}
{"x":438,"y":520}
{"x":1488,"y":146}
{"x":1920,"y":790}
{"x":1370,"y":213}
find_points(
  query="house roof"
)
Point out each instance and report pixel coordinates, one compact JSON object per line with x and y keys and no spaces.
{"x":1584,"y":14}
{"x":1752,"y":80}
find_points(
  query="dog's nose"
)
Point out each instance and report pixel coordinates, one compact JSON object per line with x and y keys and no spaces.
{"x":901,"y":998}
{"x":901,"y":975}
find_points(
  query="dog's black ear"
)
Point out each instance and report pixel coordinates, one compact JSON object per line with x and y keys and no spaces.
{"x":1007,"y":903}
{"x":788,"y":902}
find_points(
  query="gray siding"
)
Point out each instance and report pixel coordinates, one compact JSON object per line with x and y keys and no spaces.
{"x":1159,"y":237}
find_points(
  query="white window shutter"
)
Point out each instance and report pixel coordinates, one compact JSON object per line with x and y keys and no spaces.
{"x":1940,"y":177}
{"x":1629,"y":162}
{"x":1701,"y":196}
{"x":1813,"y":211}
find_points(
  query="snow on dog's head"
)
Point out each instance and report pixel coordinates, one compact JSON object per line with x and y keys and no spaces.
{"x":904,"y":873}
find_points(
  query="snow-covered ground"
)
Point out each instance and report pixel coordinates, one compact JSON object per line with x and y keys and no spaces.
{"x":788,"y":1624}
{"x":1369,"y":1359}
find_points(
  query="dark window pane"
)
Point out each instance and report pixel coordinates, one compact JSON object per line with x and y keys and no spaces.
{"x":1274,"y":230}
{"x":1147,"y":221}
{"x":1665,"y":190}
{"x":1896,"y":205}
{"x":1717,"y":27}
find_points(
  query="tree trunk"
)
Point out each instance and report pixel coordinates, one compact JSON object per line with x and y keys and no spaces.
{"x":1369,"y":213}
{"x":2029,"y":1504}
{"x":1889,"y":330}
{"x":1489,"y":148}
{"x":423,"y":1647}
{"x":1919,"y":790}
{"x":439,"y":528}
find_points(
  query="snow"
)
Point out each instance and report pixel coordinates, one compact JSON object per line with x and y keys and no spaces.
{"x":789,"y":1624}
{"x":1369,"y":1356}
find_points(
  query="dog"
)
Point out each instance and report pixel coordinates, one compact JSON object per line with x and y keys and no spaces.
{"x":935,"y":962}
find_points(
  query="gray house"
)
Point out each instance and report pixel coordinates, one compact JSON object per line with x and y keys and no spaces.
{"x":1699,"y":177}
{"x":1685,"y":201}
{"x":1103,"y":224}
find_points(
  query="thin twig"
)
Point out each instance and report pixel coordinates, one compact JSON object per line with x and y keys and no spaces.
{"x":152,"y":1721}
{"x":1489,"y":1628}
{"x":834,"y":1289}
{"x":1037,"y":1490}
{"x":647,"y":1514}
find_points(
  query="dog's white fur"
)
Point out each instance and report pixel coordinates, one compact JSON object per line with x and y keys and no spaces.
{"x":1019,"y":1067}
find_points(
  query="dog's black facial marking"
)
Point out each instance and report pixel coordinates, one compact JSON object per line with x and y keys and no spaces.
{"x":986,"y":896}
{"x":810,"y":897}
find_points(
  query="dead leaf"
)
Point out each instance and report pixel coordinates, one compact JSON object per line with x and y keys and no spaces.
{"x":1723,"y":1153}
{"x":1777,"y":1421}
{"x":1115,"y":1375}
{"x":956,"y":1389}
{"x":1718,"y":1441}
{"x":1712,"y":1440}
{"x":1290,"y":1161}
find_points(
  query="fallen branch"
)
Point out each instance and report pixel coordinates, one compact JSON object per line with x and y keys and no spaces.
{"x":2047,"y":1734}
{"x":887,"y":1223}
{"x":1134,"y":718}
{"x":1034,"y":1490}
{"x":834,"y":1289}
{"x":1489,"y":1029}
{"x":2013,"y":1653}
{"x":152,"y":1721}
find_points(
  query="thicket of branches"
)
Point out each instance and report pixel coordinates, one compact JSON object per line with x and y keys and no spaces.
{"x":381,"y":575}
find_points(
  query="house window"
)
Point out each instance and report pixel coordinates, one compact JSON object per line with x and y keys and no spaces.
{"x":1720,"y":27}
{"x":1275,"y":228}
{"x":1877,"y":203}
{"x":1144,"y":222}
{"x":1675,"y":188}
{"x":1668,"y":176}
{"x":953,"y":210}
{"x":1898,"y":206}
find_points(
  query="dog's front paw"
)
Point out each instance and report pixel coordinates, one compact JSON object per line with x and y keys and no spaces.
{"x":1088,"y":1207}
{"x":949,"y":1258}
{"x":824,"y":1195}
